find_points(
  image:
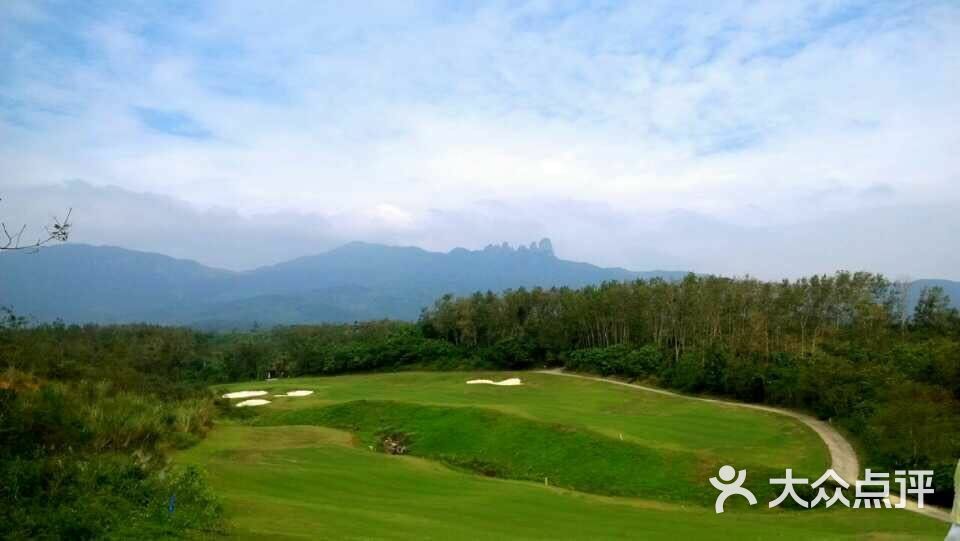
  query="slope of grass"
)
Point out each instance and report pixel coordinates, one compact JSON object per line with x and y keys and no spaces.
{"x":299,"y":480}
{"x":501,"y":445}
{"x":294,"y":482}
{"x":725,"y":434}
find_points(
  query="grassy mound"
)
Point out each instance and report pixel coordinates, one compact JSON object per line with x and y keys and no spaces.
{"x":500,"y":445}
{"x":721,"y":434}
{"x":303,"y":479}
{"x":299,"y":482}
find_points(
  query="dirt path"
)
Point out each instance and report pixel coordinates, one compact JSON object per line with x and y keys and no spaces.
{"x":843,"y":459}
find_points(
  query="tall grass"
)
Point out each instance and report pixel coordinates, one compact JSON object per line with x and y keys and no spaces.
{"x":85,"y":459}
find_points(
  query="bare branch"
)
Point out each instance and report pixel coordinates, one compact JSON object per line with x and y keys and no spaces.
{"x":57,"y":231}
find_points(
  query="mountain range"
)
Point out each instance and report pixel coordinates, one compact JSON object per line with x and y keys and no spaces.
{"x":357,"y":281}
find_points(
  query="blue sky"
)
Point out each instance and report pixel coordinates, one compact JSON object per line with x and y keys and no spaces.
{"x":642,"y":134}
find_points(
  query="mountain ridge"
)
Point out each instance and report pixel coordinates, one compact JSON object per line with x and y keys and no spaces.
{"x":355,"y":281}
{"x":79,"y":283}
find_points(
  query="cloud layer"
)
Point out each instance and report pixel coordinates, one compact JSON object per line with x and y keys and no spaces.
{"x":776,"y":139}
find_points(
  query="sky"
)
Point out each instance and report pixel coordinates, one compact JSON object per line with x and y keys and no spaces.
{"x":775,"y":139}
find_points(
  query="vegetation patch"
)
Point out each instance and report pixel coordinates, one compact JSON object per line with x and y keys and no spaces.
{"x":307,"y":483}
{"x":394,"y":442}
{"x":496,"y":444}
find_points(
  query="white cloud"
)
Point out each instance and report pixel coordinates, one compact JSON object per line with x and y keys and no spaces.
{"x":382,"y":121}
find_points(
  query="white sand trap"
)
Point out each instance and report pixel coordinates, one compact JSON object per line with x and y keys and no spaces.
{"x":254,"y":402}
{"x":296,"y":393}
{"x":506,"y":382}
{"x":244,"y":394}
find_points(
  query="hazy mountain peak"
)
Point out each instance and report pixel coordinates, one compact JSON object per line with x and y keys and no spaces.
{"x":544,"y":247}
{"x":356,"y":281}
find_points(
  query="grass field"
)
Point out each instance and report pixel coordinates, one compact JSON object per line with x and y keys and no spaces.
{"x":297,"y":479}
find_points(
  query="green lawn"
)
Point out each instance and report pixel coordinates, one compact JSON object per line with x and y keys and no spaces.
{"x":322,"y":483}
{"x":730,"y":434}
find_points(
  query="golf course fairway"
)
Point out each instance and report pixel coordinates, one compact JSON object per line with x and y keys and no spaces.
{"x":619,"y":463}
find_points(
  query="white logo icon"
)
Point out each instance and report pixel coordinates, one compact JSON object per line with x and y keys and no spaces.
{"x":729,"y":487}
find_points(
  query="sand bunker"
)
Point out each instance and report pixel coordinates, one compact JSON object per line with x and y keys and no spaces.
{"x":506,"y":382}
{"x":244,"y":394}
{"x":254,"y":402}
{"x":296,"y":393}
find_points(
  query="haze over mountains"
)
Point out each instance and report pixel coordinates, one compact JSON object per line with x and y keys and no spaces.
{"x":357,"y":281}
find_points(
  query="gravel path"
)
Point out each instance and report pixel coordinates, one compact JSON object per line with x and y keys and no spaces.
{"x":843,"y":459}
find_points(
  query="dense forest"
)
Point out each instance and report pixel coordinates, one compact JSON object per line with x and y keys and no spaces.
{"x":88,"y":414}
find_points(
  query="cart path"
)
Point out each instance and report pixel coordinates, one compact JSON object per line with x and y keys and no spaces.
{"x":843,"y":459}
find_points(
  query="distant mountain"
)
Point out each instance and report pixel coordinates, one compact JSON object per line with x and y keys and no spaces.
{"x":357,"y":281}
{"x":951,"y":288}
{"x":460,"y":271}
{"x":75,"y":282}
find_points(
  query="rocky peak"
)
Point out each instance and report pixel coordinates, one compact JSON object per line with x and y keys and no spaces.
{"x":543,"y":247}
